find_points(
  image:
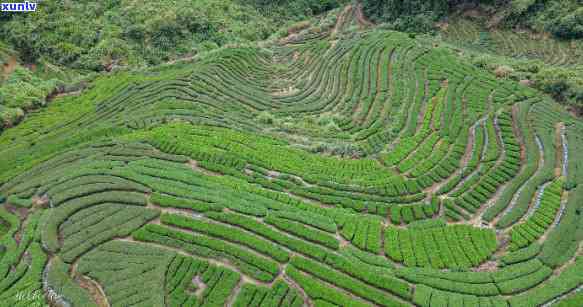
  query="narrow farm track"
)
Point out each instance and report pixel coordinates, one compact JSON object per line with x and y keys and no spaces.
{"x":95,"y":290}
{"x":343,"y":17}
{"x":526,"y":183}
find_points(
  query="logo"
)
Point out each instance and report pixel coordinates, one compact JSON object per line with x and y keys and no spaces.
{"x":18,"y":7}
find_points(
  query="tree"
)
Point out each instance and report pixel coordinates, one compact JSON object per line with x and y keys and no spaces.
{"x":569,"y":26}
{"x":406,"y":15}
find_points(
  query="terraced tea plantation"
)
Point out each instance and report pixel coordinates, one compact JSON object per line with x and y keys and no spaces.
{"x":335,"y":167}
{"x":517,"y":44}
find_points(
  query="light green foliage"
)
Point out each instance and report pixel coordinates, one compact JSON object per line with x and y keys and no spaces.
{"x":22,"y":90}
{"x":440,"y":246}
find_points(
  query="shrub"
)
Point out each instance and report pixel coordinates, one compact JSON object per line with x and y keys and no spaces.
{"x":266,"y":118}
{"x":299,"y":26}
{"x":569,"y":26}
{"x":503,"y":71}
{"x":10,"y":117}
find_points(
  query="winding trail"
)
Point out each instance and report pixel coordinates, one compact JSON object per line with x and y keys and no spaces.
{"x":341,"y":20}
{"x":475,"y":172}
{"x":514,"y":200}
{"x":94,"y":289}
{"x":537,"y":201}
{"x":561,"y":297}
{"x":565,"y":150}
{"x":363,"y":22}
{"x":307,"y":301}
{"x":51,"y":295}
{"x":470,"y":147}
{"x":9,"y":67}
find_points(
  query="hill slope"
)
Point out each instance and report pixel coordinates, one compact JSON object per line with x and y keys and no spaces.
{"x":333,"y":167}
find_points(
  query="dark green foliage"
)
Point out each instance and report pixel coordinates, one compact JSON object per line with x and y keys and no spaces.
{"x":294,"y":8}
{"x":562,"y":18}
{"x":403,"y":15}
{"x":100,"y":35}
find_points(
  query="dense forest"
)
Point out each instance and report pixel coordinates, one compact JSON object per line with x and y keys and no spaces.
{"x":564,"y":19}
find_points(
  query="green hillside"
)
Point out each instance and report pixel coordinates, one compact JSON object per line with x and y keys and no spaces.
{"x":340,"y":164}
{"x":58,"y":49}
{"x":101,"y":35}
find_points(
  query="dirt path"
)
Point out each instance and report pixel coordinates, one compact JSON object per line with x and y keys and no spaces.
{"x":564,"y":200}
{"x":221,"y":263}
{"x":377,"y":80}
{"x":502,"y":156}
{"x":363,"y":22}
{"x":307,"y":301}
{"x":470,"y":147}
{"x":426,"y":101}
{"x":517,"y":194}
{"x":522,"y":142}
{"x":341,"y":20}
{"x":9,"y":67}
{"x":479,"y":166}
{"x":59,"y":95}
{"x":386,"y":109}
{"x":559,"y":149}
{"x":183,"y":59}
{"x":95,"y":290}
{"x":565,"y":151}
{"x":93,"y":287}
{"x":194,"y":165}
{"x":561,"y":297}
{"x":535,"y":204}
{"x":477,"y":219}
{"x":565,"y":195}
{"x":518,"y":132}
